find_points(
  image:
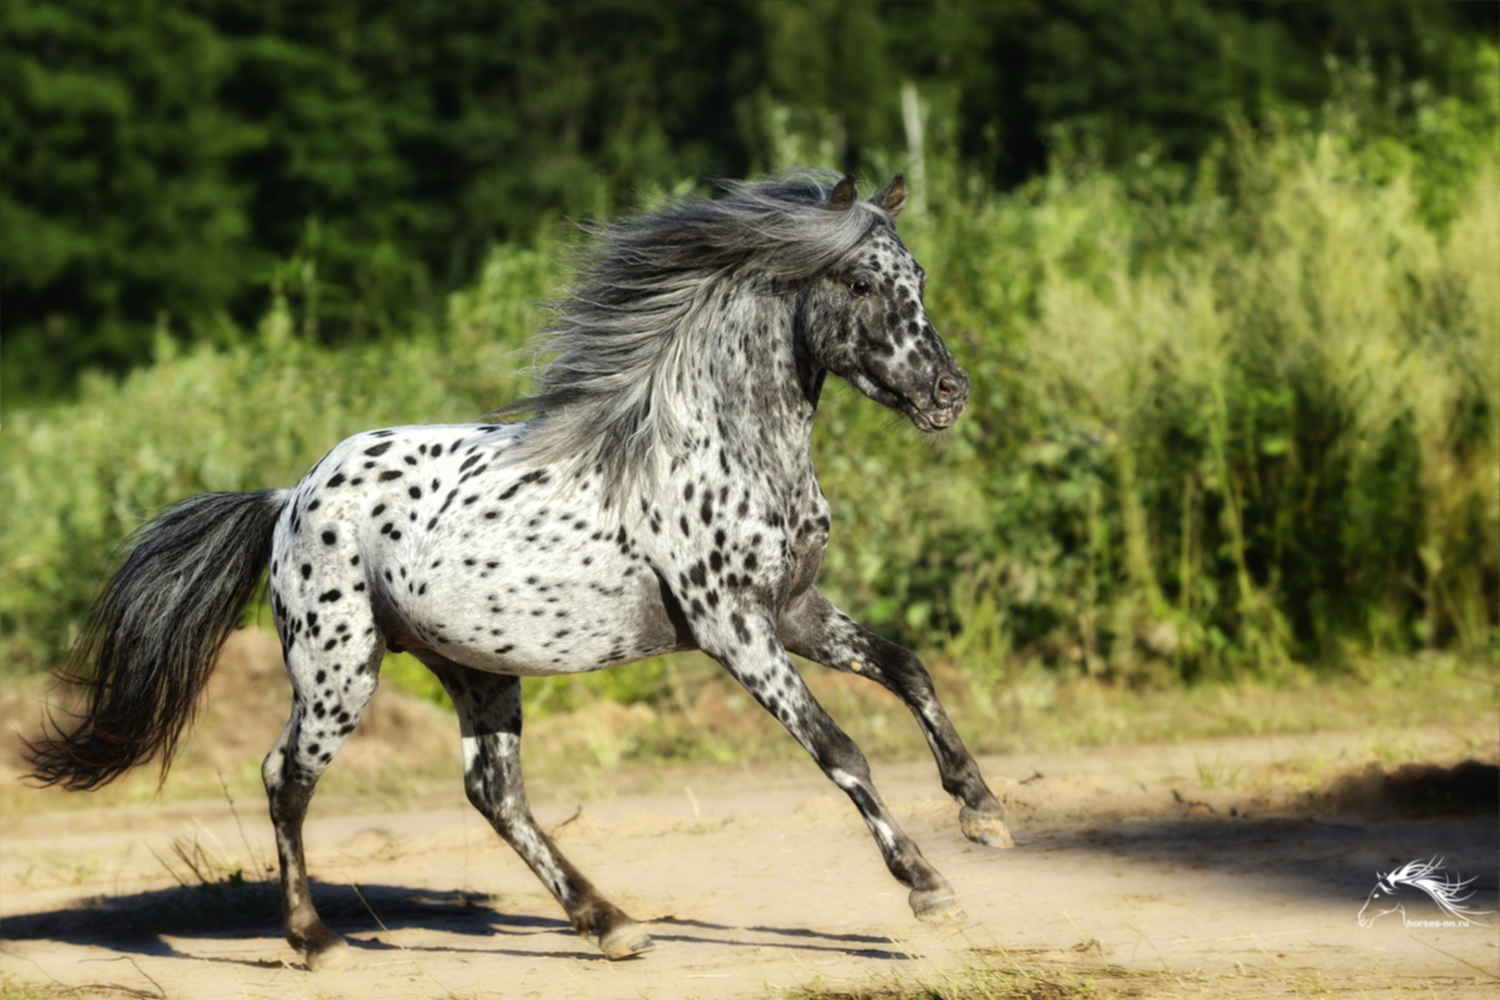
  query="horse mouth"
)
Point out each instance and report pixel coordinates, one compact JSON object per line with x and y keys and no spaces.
{"x":928,"y":419}
{"x":934,"y":419}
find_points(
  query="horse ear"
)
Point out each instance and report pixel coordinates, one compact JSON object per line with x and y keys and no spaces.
{"x":892,"y":198}
{"x":843,"y":193}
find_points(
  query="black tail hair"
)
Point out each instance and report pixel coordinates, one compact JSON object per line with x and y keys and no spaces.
{"x":153,"y":635}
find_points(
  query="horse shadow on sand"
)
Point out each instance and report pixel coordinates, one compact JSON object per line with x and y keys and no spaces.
{"x":148,"y":923}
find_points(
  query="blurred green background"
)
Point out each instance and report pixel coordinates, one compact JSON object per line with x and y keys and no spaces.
{"x":1224,"y":275}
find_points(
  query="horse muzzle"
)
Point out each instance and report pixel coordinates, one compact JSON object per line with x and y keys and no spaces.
{"x":946,"y":399}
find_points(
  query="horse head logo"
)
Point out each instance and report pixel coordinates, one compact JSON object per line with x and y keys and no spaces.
{"x":1394,"y":888}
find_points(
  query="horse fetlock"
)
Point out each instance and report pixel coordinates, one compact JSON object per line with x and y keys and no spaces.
{"x":985,"y":827}
{"x":625,"y":941}
{"x":321,"y":948}
{"x":938,"y":903}
{"x":611,"y":928}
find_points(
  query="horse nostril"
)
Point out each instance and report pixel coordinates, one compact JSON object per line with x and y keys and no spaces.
{"x":948,"y":388}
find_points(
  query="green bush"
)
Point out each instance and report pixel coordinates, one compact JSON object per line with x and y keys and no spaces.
{"x":1222,"y":419}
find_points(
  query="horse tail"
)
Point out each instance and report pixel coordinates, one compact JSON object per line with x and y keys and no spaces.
{"x":153,"y":636}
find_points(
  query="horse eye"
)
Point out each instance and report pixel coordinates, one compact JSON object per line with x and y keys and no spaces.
{"x":860,"y":287}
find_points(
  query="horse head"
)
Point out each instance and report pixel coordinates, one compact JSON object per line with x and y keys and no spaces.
{"x":864,"y":320}
{"x":1381,"y":901}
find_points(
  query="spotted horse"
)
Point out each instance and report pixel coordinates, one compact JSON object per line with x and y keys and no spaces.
{"x":660,"y":496}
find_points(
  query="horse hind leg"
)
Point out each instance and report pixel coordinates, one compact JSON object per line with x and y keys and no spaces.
{"x":489,"y":712}
{"x":333,"y":678}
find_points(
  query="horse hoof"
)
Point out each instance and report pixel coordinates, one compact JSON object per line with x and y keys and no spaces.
{"x":329,"y":952}
{"x":935,"y":905}
{"x":625,"y":941}
{"x":988,"y":829}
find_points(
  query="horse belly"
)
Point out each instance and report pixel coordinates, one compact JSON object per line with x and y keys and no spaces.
{"x":526,"y":611}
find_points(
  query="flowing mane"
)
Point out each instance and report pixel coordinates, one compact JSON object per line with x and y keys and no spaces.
{"x":639,"y":311}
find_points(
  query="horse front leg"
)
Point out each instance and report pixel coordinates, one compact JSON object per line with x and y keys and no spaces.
{"x":813,"y":627}
{"x":489,"y":713}
{"x":747,"y":646}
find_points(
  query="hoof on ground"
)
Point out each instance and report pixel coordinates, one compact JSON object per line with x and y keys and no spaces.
{"x":625,"y":941}
{"x":938,"y":905}
{"x":329,"y":951}
{"x":988,"y":829}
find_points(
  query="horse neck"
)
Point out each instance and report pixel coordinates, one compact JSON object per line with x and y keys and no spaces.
{"x":762,"y":393}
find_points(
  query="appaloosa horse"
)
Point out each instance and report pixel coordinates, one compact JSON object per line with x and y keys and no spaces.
{"x":661,"y":497}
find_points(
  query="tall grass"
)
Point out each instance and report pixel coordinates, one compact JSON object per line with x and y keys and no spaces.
{"x":80,"y":478}
{"x":1272,"y":438}
{"x":1220,"y":423}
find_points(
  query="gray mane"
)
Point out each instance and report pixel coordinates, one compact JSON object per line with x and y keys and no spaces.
{"x":644,"y":306}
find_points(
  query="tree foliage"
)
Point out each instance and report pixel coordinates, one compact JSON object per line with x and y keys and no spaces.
{"x":177,"y":162}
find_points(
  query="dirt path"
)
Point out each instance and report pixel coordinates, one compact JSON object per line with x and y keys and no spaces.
{"x":1179,"y":870}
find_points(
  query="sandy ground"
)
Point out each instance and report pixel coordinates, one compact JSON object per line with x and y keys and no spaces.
{"x":1148,"y":871}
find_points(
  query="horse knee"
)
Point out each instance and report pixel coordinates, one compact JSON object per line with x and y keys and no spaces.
{"x":901,"y":670}
{"x":477,"y":789}
{"x":273,"y":767}
{"x":271,"y":771}
{"x":488,"y":792}
{"x":838,"y":754}
{"x":288,"y":800}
